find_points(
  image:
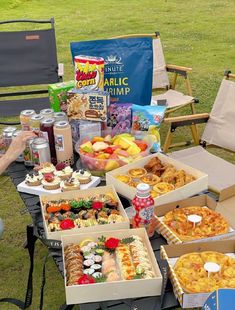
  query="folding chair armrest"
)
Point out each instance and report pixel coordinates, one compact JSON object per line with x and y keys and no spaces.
{"x":188,"y":119}
{"x":60,"y":69}
{"x":178,"y":69}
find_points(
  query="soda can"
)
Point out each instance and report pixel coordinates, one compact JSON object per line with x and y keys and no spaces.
{"x":7,"y":135}
{"x":60,"y":116}
{"x":27,"y":154}
{"x":89,"y":73}
{"x":25,"y":116}
{"x":40,"y":151}
{"x":20,"y":158}
{"x":63,"y":142}
{"x":47,"y":113}
{"x":34,"y":122}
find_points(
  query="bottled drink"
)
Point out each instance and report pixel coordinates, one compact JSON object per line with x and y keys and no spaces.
{"x":60,"y":116}
{"x":40,"y":151}
{"x":7,"y":135}
{"x":143,"y":204}
{"x":47,"y":113}
{"x":25,"y":116}
{"x":34,"y":122}
{"x":47,"y":132}
{"x":63,"y":142}
{"x":27,"y":154}
{"x":20,"y":157}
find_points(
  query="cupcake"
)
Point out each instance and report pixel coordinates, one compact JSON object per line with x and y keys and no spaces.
{"x":33,"y":179}
{"x":83,"y":176}
{"x":62,"y":171}
{"x":50,"y":182}
{"x":69,"y":184}
{"x":46,"y":168}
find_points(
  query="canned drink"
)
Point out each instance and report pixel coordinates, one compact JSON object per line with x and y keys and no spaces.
{"x":60,"y":116}
{"x":40,"y":151}
{"x":89,"y":73}
{"x":47,"y":113}
{"x":7,"y":135}
{"x":63,"y":142}
{"x":25,"y":118}
{"x":34,"y":122}
{"x":20,"y":158}
{"x":27,"y":154}
{"x":46,"y":131}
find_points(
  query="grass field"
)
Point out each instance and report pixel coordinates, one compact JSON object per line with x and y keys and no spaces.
{"x":199,"y":34}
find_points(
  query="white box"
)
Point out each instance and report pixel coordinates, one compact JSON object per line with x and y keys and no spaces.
{"x":78,"y":294}
{"x":56,"y":235}
{"x":190,"y":189}
{"x":39,"y":190}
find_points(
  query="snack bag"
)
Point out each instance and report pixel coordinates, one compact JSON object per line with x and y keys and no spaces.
{"x":119,"y":118}
{"x":148,"y":119}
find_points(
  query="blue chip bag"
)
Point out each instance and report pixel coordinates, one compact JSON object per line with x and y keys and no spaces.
{"x":148,"y":119}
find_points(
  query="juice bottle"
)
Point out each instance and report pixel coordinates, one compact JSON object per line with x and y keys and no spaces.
{"x":143,"y":204}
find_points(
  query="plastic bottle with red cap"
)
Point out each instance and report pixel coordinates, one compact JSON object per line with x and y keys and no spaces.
{"x":143,"y":204}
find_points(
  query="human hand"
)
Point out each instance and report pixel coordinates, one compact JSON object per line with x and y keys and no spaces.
{"x":18,"y":145}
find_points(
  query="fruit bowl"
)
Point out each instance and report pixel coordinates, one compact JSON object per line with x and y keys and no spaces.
{"x":101,"y":155}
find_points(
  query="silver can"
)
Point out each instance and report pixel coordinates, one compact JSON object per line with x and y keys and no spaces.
{"x":20,"y":158}
{"x":7,"y":135}
{"x":40,"y":151}
{"x":47,"y":113}
{"x":60,"y":116}
{"x":27,"y":154}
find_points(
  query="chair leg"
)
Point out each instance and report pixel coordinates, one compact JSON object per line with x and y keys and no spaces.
{"x":168,"y":140}
{"x":195,"y":134}
{"x":188,"y":86}
{"x":174,"y":81}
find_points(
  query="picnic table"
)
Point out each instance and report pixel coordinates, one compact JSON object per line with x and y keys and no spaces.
{"x":17,"y":172}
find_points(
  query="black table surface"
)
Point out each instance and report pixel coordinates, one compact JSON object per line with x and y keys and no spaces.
{"x":17,"y":172}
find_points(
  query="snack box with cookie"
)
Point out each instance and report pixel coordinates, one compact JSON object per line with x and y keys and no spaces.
{"x":169,"y":179}
{"x":109,"y":265}
{"x":80,"y":211}
{"x":197,"y":269}
{"x":87,"y":105}
{"x":197,"y":219}
{"x":58,"y":95}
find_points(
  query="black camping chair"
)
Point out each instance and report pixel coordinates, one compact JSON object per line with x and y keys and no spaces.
{"x":27,"y":58}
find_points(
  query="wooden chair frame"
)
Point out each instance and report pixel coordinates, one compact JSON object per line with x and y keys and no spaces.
{"x":190,"y":120}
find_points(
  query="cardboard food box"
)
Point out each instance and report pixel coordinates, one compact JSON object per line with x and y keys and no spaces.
{"x":58,"y":95}
{"x":225,"y":206}
{"x":78,"y":294}
{"x":172,"y":252}
{"x":56,"y":235}
{"x":87,"y":105}
{"x":190,"y":189}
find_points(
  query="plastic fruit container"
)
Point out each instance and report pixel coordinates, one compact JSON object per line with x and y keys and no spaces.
{"x":99,"y":167}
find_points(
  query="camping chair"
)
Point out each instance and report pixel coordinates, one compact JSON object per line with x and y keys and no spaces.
{"x":174,"y":100}
{"x":219,"y":131}
{"x":27,"y":58}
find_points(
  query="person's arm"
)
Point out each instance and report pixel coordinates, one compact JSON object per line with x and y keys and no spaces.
{"x":16,"y":147}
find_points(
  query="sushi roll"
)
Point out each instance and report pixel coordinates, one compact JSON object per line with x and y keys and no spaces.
{"x":89,"y":271}
{"x":97,"y":267}
{"x":88,"y":263}
{"x":97,"y":275}
{"x":97,"y":258}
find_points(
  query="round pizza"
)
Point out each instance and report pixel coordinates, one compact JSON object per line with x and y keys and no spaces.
{"x":211,"y":224}
{"x":194,"y":277}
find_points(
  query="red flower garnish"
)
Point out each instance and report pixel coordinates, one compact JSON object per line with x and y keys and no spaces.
{"x":108,"y":150}
{"x":67,"y":224}
{"x":97,"y":205}
{"x":112,"y":243}
{"x":85,"y":279}
{"x":60,"y":166}
{"x":49,"y":177}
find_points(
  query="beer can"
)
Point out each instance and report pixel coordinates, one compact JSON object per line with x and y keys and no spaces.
{"x":89,"y":73}
{"x":63,"y":142}
{"x":40,"y":151}
{"x":47,"y":113}
{"x":46,"y":131}
{"x":60,"y":116}
{"x":7,"y":135}
{"x":25,"y":116}
{"x":34,"y":122}
{"x":20,"y":158}
{"x":27,"y":154}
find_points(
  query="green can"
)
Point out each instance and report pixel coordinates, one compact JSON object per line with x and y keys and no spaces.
{"x":58,"y":95}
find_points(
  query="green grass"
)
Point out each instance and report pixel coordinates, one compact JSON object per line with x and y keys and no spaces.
{"x":195,"y":33}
